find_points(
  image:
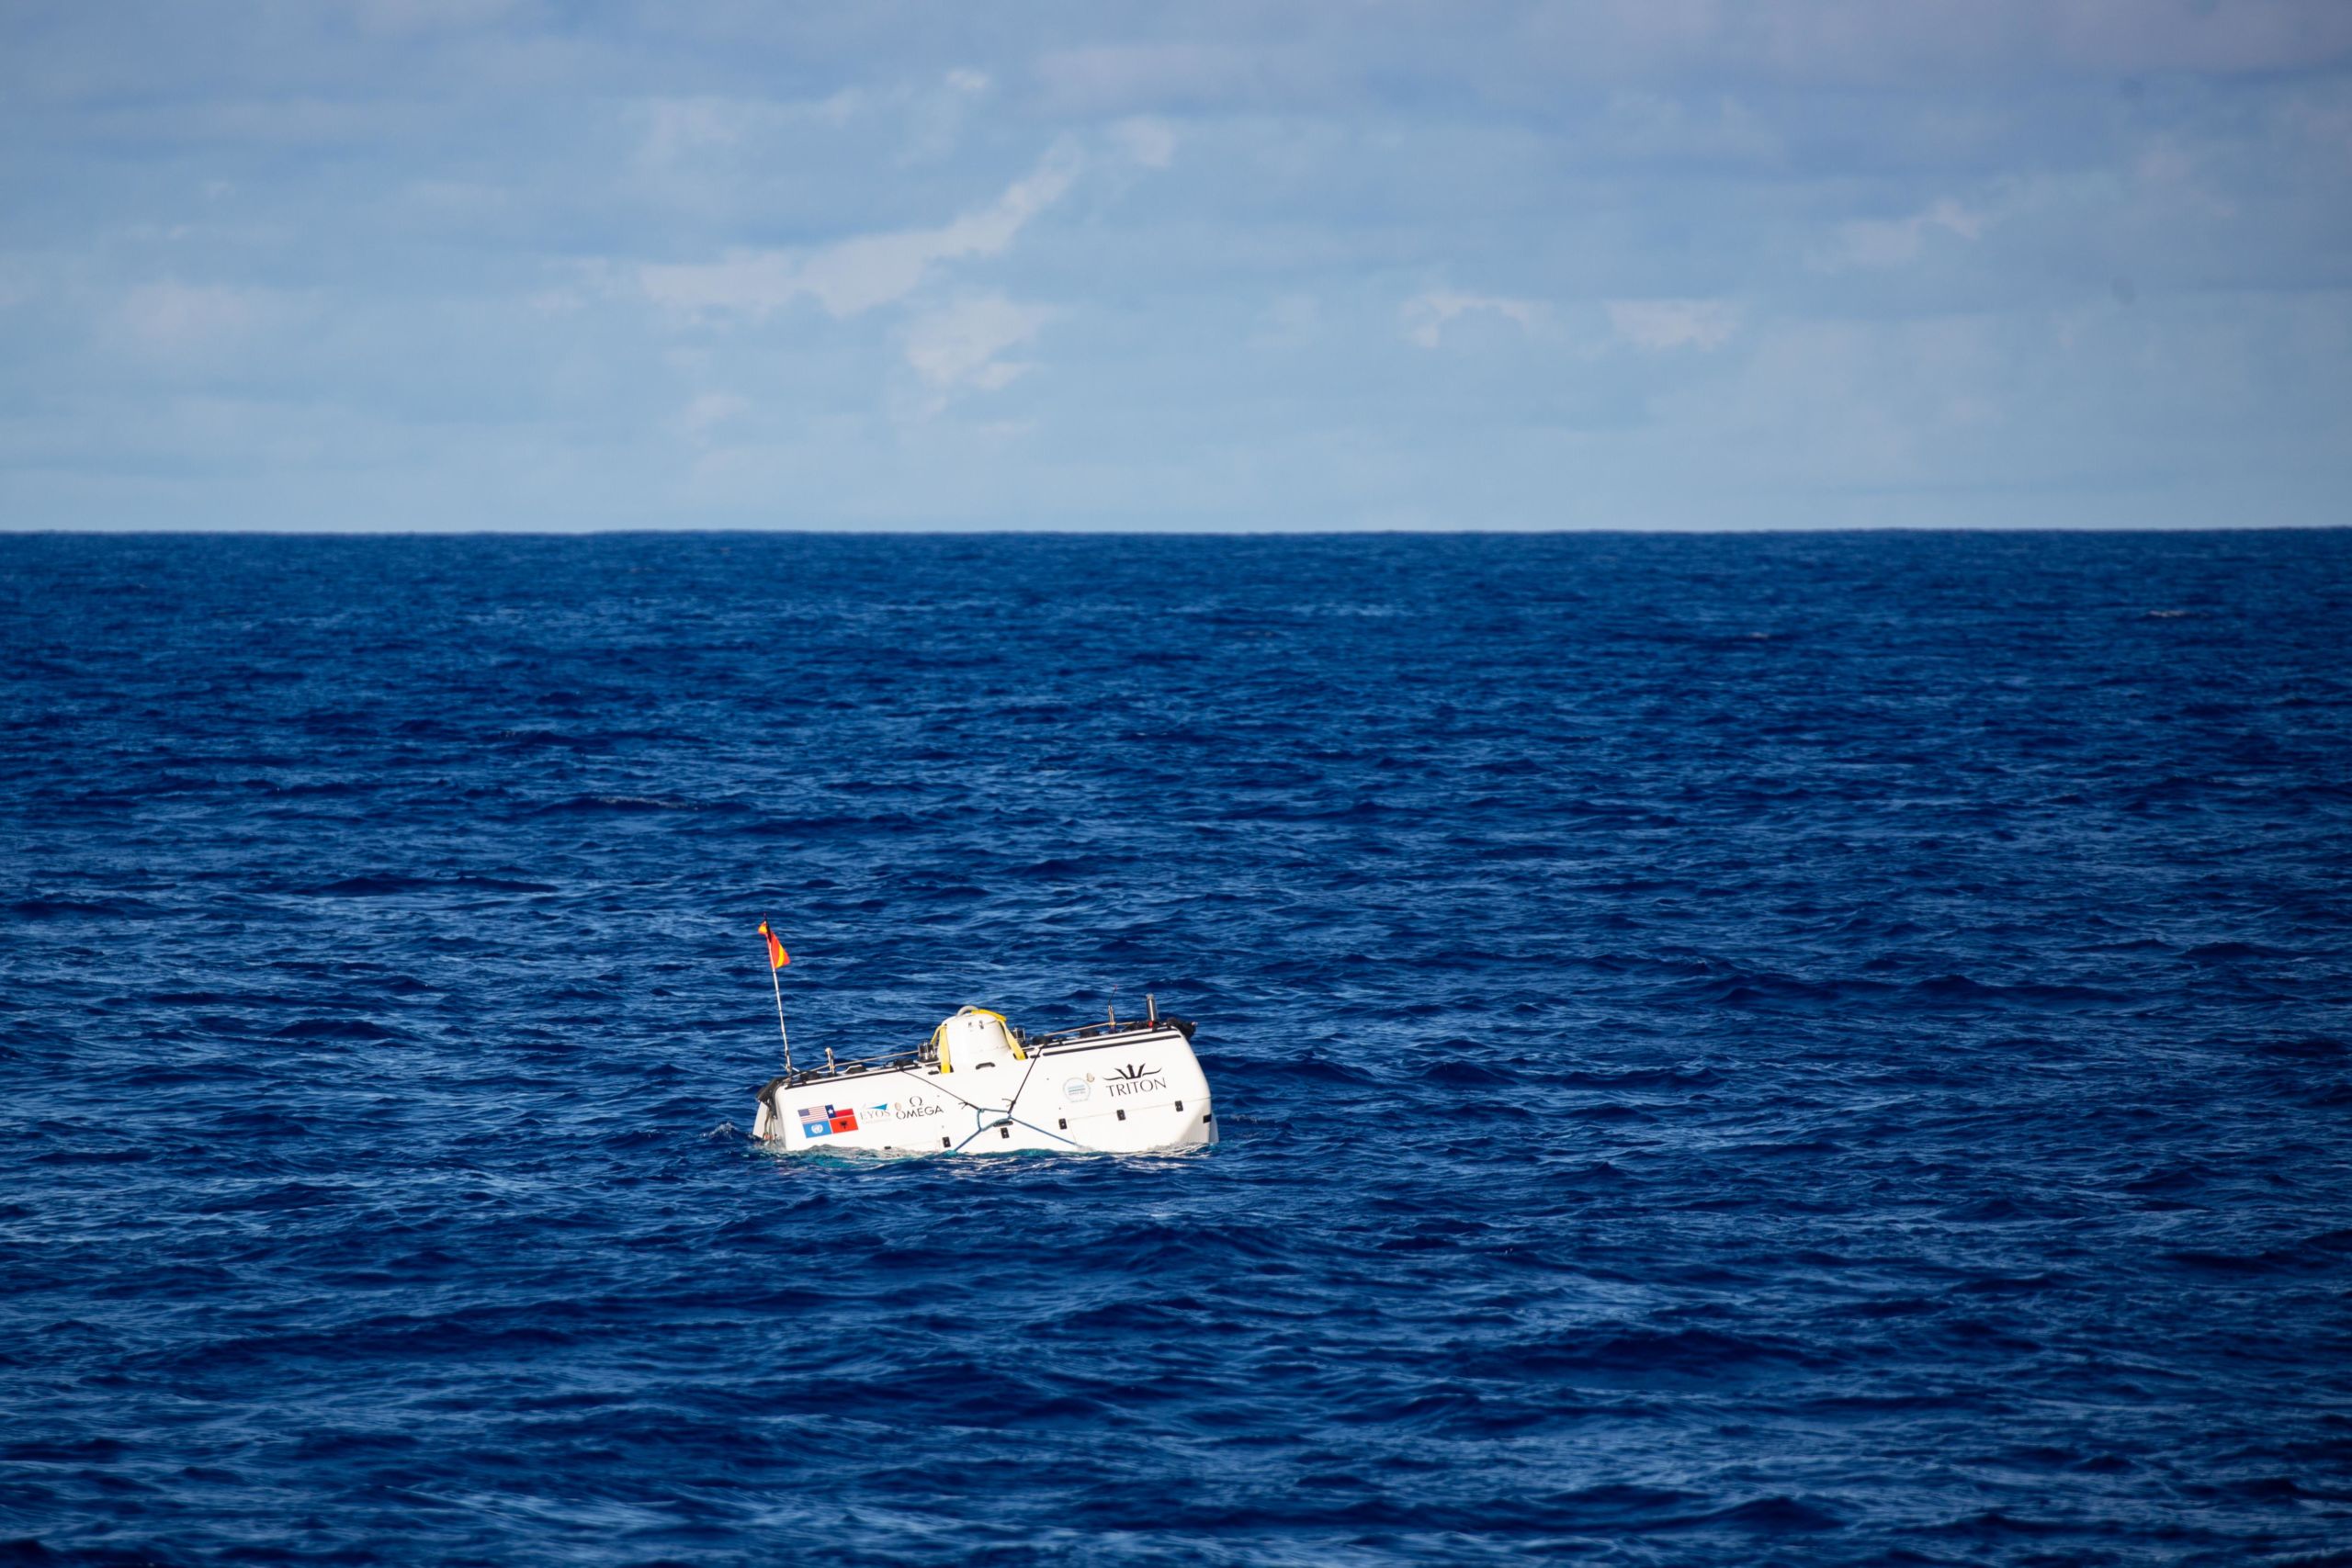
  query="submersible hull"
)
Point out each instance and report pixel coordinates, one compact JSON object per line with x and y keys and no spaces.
{"x":981,"y":1087}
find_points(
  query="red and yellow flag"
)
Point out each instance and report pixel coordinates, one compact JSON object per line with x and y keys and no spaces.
{"x":777,"y":958}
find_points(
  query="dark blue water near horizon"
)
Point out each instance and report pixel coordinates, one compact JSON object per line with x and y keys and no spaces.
{"x":1799,"y":1049}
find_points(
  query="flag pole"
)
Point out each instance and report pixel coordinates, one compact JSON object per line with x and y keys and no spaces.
{"x":777,"y":986}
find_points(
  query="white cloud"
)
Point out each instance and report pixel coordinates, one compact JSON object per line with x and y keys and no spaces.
{"x":706,"y":411}
{"x":1426,"y":315}
{"x":676,"y":135}
{"x":675,"y":131}
{"x":1894,"y":241}
{"x":1147,"y":142}
{"x":1658,"y":325}
{"x":857,"y":274}
{"x":860,"y":274}
{"x":174,"y":318}
{"x":936,"y":112}
{"x":674,"y":127}
{"x":957,"y":348}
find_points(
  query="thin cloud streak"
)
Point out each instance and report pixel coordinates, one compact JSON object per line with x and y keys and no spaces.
{"x":857,"y":274}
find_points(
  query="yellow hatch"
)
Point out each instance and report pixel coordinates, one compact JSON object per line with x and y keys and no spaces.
{"x":983,"y":1038}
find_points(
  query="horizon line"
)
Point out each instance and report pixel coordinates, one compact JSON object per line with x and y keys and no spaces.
{"x":8,"y":531}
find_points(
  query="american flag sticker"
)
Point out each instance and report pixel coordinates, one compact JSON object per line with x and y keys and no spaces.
{"x":814,"y":1123}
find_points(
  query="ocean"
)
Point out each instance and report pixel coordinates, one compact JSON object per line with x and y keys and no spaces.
{"x":1806,"y":1049}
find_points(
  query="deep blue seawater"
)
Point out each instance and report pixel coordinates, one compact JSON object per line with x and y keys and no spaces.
{"x":1793,"y":1050}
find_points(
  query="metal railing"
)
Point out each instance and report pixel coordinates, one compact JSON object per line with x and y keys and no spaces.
{"x":890,"y":1060}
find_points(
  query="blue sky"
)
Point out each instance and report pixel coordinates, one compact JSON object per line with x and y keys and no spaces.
{"x":1680,"y":264}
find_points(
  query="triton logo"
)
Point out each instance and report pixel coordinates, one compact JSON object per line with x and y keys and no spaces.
{"x":1134,"y":1079}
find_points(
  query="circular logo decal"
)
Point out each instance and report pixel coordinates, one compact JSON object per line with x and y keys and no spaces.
{"x":1077,"y":1089}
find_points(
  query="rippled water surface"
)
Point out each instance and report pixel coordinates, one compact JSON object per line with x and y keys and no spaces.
{"x":1791,"y":1050}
